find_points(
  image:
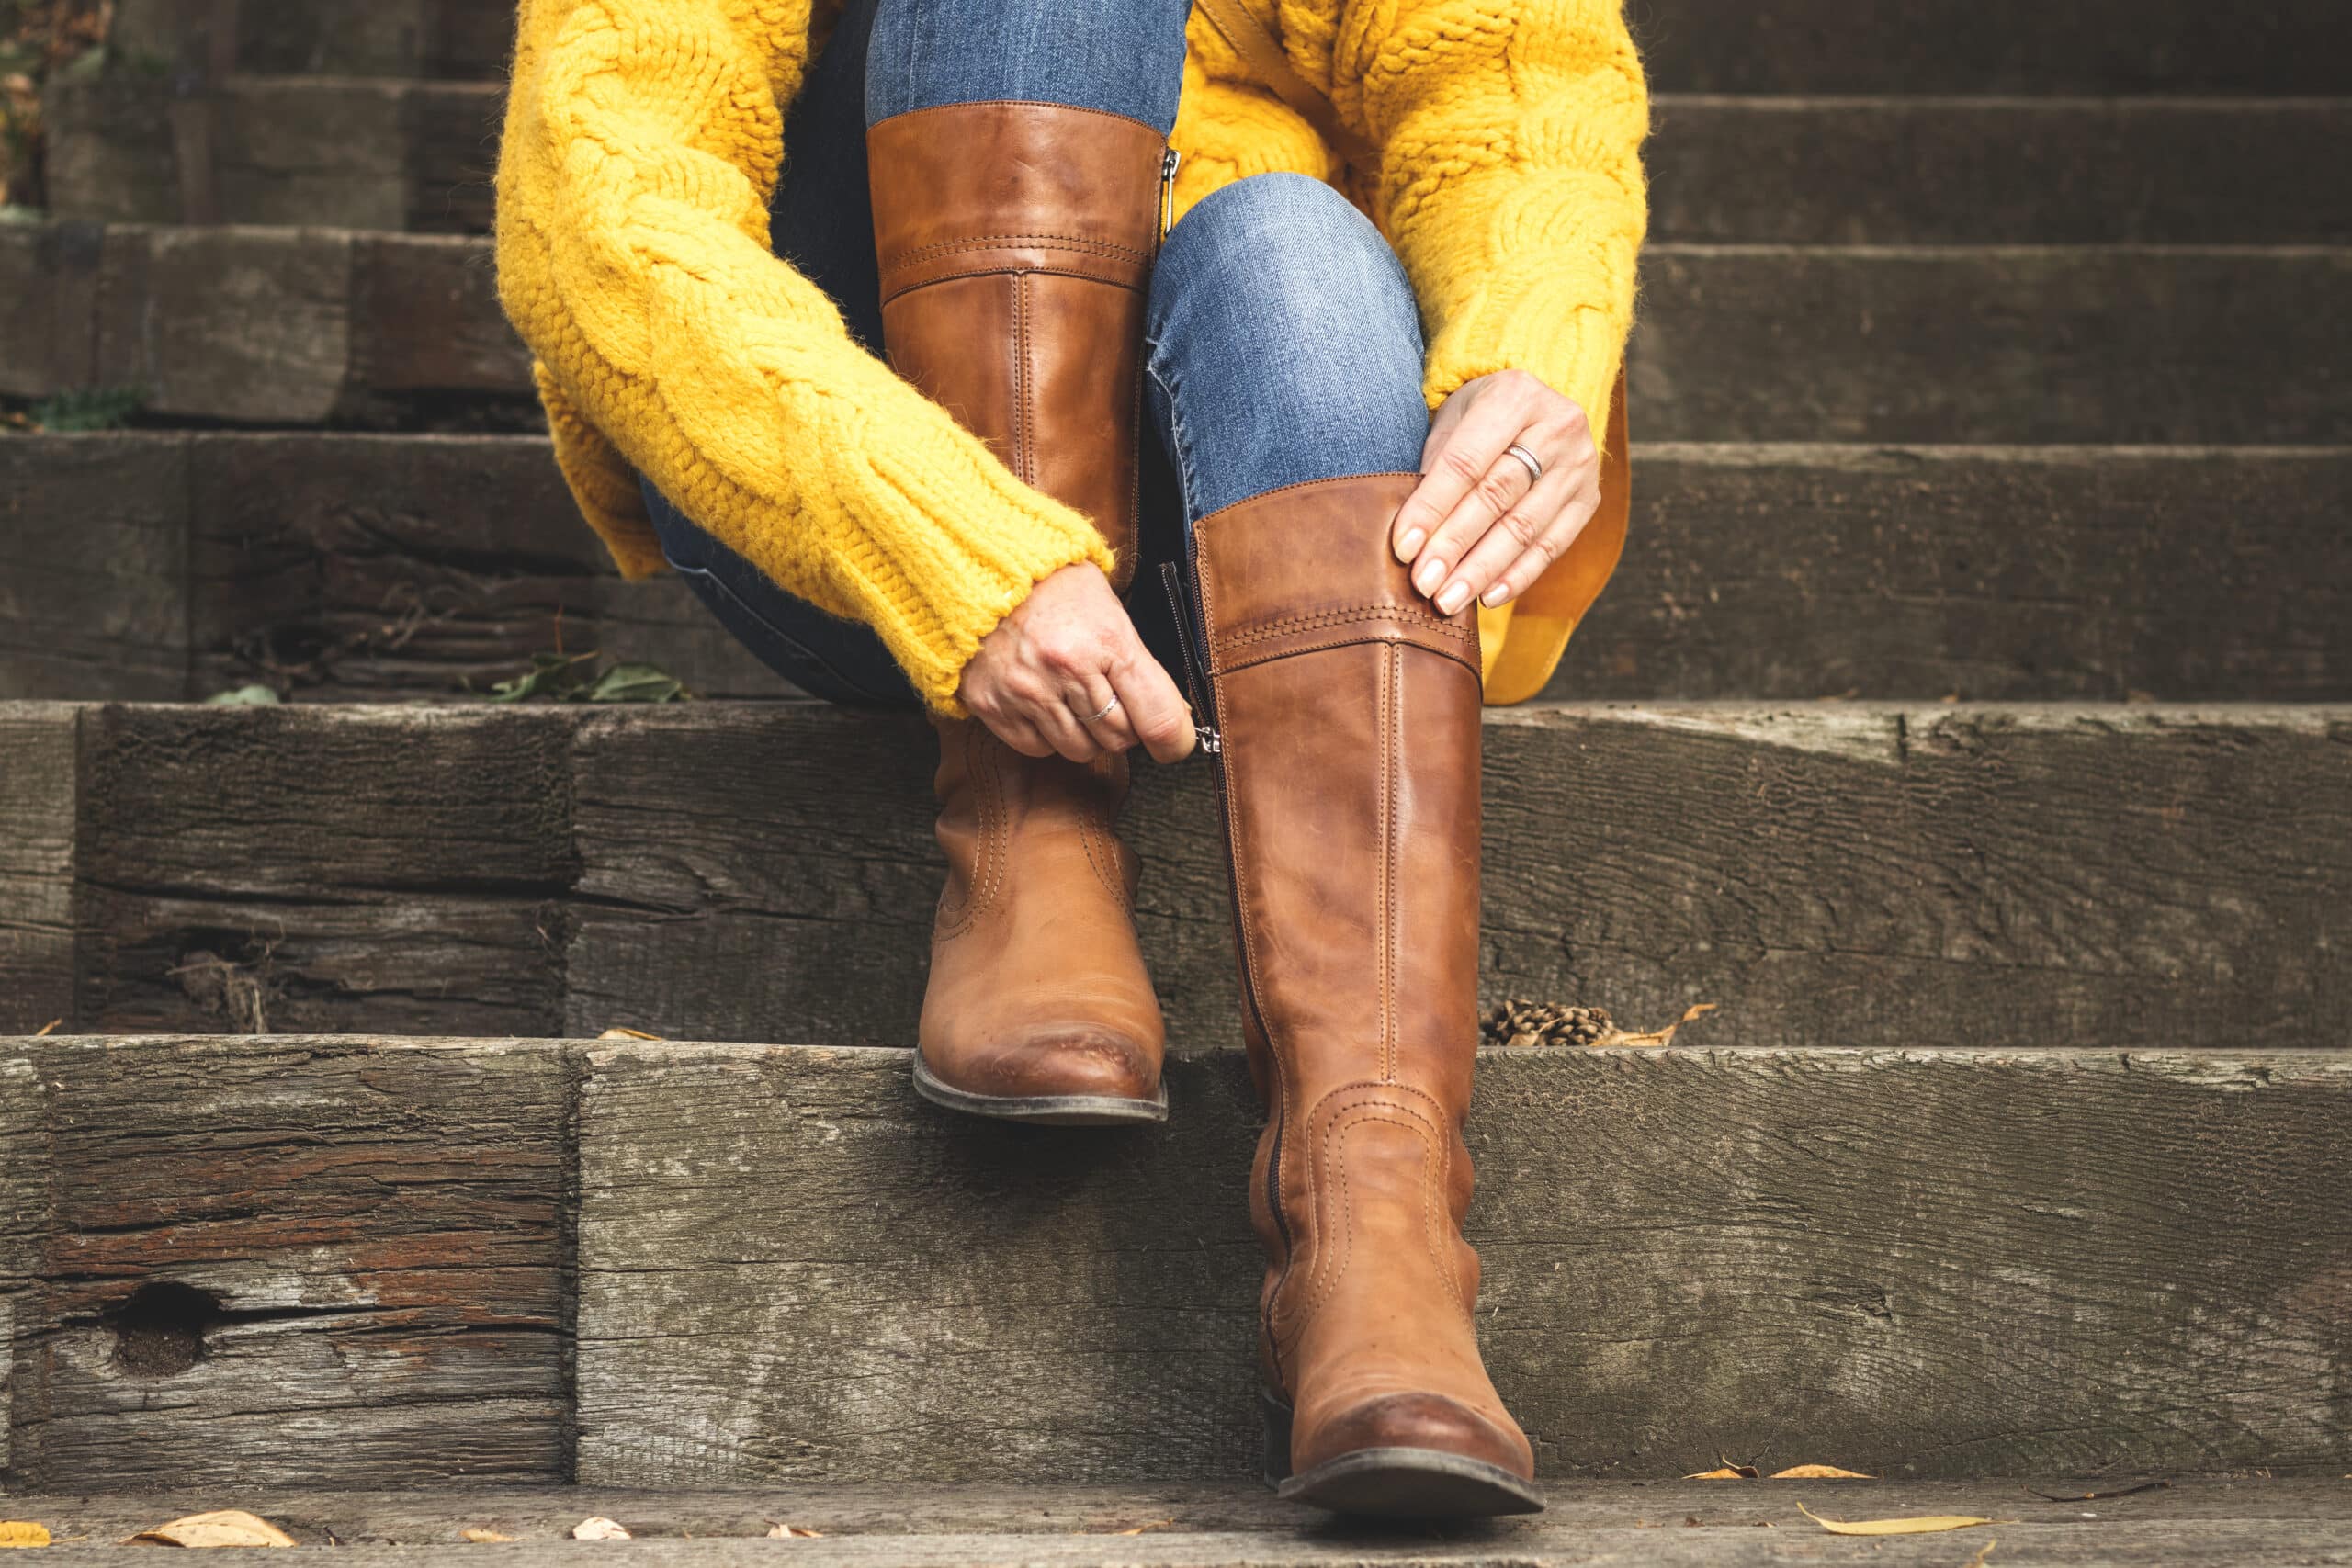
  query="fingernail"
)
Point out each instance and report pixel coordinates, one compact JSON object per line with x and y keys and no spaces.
{"x":1411,"y":545}
{"x":1456,"y":595}
{"x":1495,"y":595}
{"x":1433,"y":573}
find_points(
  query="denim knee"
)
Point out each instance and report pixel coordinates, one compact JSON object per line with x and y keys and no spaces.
{"x":1282,"y":342}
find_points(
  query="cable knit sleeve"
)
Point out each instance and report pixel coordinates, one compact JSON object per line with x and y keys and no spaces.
{"x":1511,"y":185}
{"x":642,"y":142}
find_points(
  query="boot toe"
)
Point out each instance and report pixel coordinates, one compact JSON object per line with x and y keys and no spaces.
{"x":1432,"y":1422}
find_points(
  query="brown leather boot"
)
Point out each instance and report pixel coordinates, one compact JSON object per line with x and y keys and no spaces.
{"x":1015,"y":240}
{"x":1347,"y":726}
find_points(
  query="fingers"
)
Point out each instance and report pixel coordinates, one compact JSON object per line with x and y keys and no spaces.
{"x":1526,"y":541}
{"x":1101,"y":713}
{"x":1459,"y":478}
{"x":1157,"y":717}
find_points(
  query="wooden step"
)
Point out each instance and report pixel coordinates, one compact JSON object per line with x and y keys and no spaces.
{"x":1835,"y":874}
{"x":396,"y":154}
{"x":1700,"y":1524}
{"x":239,"y":1264}
{"x":455,"y":39}
{"x":1992,"y":46}
{"x":1933,"y":344}
{"x":163,"y":565}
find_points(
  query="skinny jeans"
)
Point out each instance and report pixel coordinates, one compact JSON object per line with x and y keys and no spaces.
{"x":1282,"y":344}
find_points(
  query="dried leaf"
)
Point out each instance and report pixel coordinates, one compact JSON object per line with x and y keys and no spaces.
{"x":599,"y":1529}
{"x":1923,"y":1524}
{"x":1819,"y":1472}
{"x":52,"y":1027}
{"x":1982,"y":1552}
{"x":22,"y":1532}
{"x":225,"y":1527}
{"x":1155,"y":1524}
{"x":2094,"y":1497}
{"x":1656,"y":1037}
{"x":482,"y":1536}
{"x":620,"y":1033}
{"x":791,"y":1532}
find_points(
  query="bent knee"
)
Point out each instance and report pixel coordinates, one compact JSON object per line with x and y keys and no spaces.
{"x":1296,"y":243}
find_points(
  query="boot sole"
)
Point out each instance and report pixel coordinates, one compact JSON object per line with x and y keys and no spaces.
{"x":1044,"y":1109}
{"x":1396,"y":1484}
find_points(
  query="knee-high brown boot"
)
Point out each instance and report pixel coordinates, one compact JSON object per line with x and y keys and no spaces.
{"x":1347,"y":723}
{"x":1015,"y":240}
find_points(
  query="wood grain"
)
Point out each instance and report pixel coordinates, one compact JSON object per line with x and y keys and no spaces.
{"x":1926,"y":1264}
{"x":378,"y":1228}
{"x":38,"y":798}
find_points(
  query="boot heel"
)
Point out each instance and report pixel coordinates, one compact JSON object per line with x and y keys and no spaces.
{"x":1277,"y":1418}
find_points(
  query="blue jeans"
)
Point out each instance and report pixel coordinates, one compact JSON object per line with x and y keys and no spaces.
{"x":1282,"y":340}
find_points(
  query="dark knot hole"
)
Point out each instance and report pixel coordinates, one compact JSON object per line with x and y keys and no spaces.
{"x":159,"y":1332}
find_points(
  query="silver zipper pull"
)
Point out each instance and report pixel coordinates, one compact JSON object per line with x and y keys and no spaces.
{"x":1210,"y":741}
{"x":1169,"y":159}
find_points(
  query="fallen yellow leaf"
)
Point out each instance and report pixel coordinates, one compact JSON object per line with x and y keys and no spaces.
{"x":1155,"y":1524}
{"x":46,"y":1030}
{"x":482,"y":1536}
{"x":599,"y":1529}
{"x":1982,"y":1552}
{"x":1923,"y":1524}
{"x":789,"y":1532}
{"x":224,"y":1526}
{"x":22,"y":1532}
{"x":1728,"y":1472}
{"x":617,"y":1032}
{"x":1819,"y":1472}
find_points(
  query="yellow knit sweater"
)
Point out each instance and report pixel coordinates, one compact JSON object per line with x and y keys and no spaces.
{"x":643,"y":141}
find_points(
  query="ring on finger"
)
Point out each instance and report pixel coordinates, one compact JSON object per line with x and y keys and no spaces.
{"x":1534,"y":463}
{"x":1108,"y":709}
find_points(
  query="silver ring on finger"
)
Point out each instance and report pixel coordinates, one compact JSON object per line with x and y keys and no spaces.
{"x":1108,"y":709}
{"x":1534,"y":463}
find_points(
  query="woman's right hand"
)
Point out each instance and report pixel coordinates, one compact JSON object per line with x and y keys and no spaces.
{"x":1043,"y":678}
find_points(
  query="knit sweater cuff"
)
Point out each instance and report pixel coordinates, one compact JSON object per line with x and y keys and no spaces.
{"x":932,"y":578}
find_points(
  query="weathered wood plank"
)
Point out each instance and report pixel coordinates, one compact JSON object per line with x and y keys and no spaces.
{"x":39,"y":795}
{"x":371,"y":567}
{"x":2002,"y":573}
{"x":1935,"y":345}
{"x":300,"y":1262}
{"x":419,"y":155}
{"x":2295,"y":47}
{"x":1941,"y":345}
{"x":862,"y":1522}
{"x":1832,"y":874}
{"x":1909,"y":171}
{"x":246,"y":870}
{"x":329,"y":38}
{"x":1923,"y":1263}
{"x":94,"y":567}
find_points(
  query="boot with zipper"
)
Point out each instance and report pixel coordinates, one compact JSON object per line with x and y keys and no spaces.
{"x":1016,"y":242}
{"x":1343,"y":713}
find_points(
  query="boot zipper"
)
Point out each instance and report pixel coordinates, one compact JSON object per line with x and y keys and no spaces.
{"x":1169,"y":159}
{"x":1181,"y":597}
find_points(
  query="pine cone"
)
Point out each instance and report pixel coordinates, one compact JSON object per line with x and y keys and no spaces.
{"x":1523,"y":1023}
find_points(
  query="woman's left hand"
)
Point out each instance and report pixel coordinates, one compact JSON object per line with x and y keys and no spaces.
{"x":1482,"y":525}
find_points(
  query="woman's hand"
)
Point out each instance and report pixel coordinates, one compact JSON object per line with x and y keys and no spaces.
{"x":1044,"y":677}
{"x":1481,"y":525}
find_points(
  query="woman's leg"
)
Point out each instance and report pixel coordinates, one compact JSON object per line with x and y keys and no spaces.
{"x":1286,"y":365}
{"x":1015,"y":152}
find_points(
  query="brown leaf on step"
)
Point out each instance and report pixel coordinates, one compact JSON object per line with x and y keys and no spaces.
{"x":599,"y":1529}
{"x":782,"y":1531}
{"x":617,"y":1032}
{"x":1729,"y":1472}
{"x":1155,"y":1524}
{"x":1921,"y":1524}
{"x":47,"y":1029}
{"x":224,"y":1526}
{"x":1656,"y":1037}
{"x":1819,"y":1472}
{"x":22,"y":1532}
{"x":482,"y":1536}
